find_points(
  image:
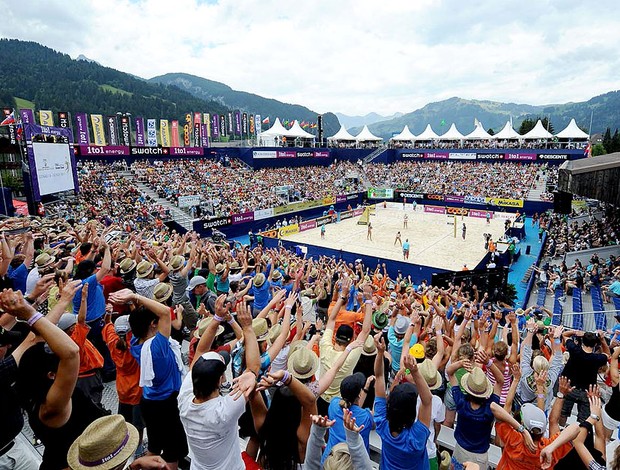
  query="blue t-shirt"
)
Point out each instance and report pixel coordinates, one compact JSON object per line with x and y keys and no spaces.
{"x":615,"y":287}
{"x":262,"y":295}
{"x":19,"y":276}
{"x":337,"y":433}
{"x":167,"y":378}
{"x":473,"y":428}
{"x":222,"y":286}
{"x":407,"y":451}
{"x":95,"y":305}
{"x":396,"y":347}
{"x":406,"y":246}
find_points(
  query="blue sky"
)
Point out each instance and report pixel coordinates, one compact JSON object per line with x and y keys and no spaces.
{"x":347,"y":56}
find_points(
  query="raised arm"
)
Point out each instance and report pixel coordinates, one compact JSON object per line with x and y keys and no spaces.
{"x":106,"y":263}
{"x":81,"y":318}
{"x":278,"y":344}
{"x":424,"y":393}
{"x":162,"y":311}
{"x":379,"y":366}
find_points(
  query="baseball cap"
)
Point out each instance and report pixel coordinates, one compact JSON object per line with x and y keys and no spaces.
{"x":121,"y":325}
{"x":67,"y":320}
{"x":401,"y":324}
{"x":344,"y":333}
{"x":195,"y":282}
{"x":211,"y":365}
{"x":351,"y":386}
{"x":417,"y":351}
{"x":533,"y":418}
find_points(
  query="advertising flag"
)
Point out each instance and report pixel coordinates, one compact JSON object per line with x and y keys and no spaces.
{"x":197,"y":129}
{"x":27,"y":116}
{"x":125,"y":131}
{"x":174,"y":138}
{"x":164,"y":133}
{"x":215,"y":128}
{"x":98,"y":130}
{"x":46,"y":118}
{"x":63,"y":119}
{"x":81,"y":121}
{"x":230,"y":124}
{"x":187,"y":130}
{"x":112,"y":130}
{"x":140,"y":141}
{"x":223,"y":124}
{"x":208,"y":124}
{"x":259,"y":124}
{"x":244,"y":124}
{"x":251,"y":124}
{"x":237,"y":123}
{"x":151,"y":132}
{"x":203,"y":135}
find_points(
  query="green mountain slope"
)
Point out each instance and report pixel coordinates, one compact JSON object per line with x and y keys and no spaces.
{"x":248,"y":102}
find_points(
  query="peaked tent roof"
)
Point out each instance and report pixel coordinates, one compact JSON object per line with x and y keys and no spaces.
{"x":342,"y":134}
{"x":478,"y":133}
{"x":366,"y":135}
{"x":428,"y":134}
{"x":404,"y":135}
{"x":538,"y":132}
{"x":276,"y":130}
{"x":452,"y":134}
{"x":298,"y":132}
{"x":572,"y":131}
{"x":507,"y":133}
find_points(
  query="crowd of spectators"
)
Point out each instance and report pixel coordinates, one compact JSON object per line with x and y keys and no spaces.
{"x":506,"y":180}
{"x":488,"y":144}
{"x":315,"y":348}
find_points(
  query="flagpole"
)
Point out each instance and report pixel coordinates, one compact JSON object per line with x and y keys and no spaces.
{"x":590,"y":130}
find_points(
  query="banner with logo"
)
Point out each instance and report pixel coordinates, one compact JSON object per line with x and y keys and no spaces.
{"x":480,"y":214}
{"x":326,"y":219}
{"x":197,"y":129}
{"x":244,"y":124}
{"x":456,"y":210}
{"x":435,"y":209}
{"x":489,"y":156}
{"x":435,"y":197}
{"x":140,"y":137}
{"x":151,"y":132}
{"x":214,"y":223}
{"x":189,"y":201}
{"x":462,"y":156}
{"x":125,"y":131}
{"x":358,"y":211}
{"x":412,"y":155}
{"x":453,"y":198}
{"x":231,"y":126}
{"x":187,"y":130}
{"x":27,"y":116}
{"x":408,"y":195}
{"x":380,"y":193}
{"x":437,"y":155}
{"x":103,"y":151}
{"x":46,"y":118}
{"x":251,"y":133}
{"x":288,"y":230}
{"x":98,"y":130}
{"x":286,"y":154}
{"x":204,"y":138}
{"x":520,"y":156}
{"x":224,"y":131}
{"x":346,"y":215}
{"x":480,"y":200}
{"x":263,"y":213}
{"x":215,"y":128}
{"x":237,"y":123}
{"x":207,"y":122}
{"x":242,"y":218}
{"x":264,"y":154}
{"x":63,"y":119}
{"x":553,"y":156}
{"x":111,"y":131}
{"x":259,"y":124}
{"x":81,"y":121}
{"x":164,"y":133}
{"x":503,"y":202}
{"x":307,"y":225}
{"x":174,"y":134}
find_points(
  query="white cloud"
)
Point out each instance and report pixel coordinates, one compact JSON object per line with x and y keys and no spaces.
{"x":348,"y":56}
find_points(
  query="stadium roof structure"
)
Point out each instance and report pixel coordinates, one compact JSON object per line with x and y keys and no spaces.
{"x":507,"y":133}
{"x":595,"y":177}
{"x":478,"y":133}
{"x":405,"y":135}
{"x":427,"y":134}
{"x":276,"y":130}
{"x":572,"y":131}
{"x":538,"y":132}
{"x":365,"y":135}
{"x":297,"y":132}
{"x":452,"y":134}
{"x":342,"y":134}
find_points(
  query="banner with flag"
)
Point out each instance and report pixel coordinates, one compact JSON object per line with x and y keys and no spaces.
{"x":259,"y":124}
{"x":151,"y":133}
{"x":164,"y":133}
{"x":174,"y":138}
{"x":111,"y":125}
{"x":587,"y":152}
{"x":81,"y":121}
{"x":98,"y":130}
{"x":264,"y":121}
{"x":215,"y":128}
{"x":8,"y":117}
{"x":27,"y":116}
{"x":252,"y":124}
{"x":207,"y":121}
{"x":63,"y":119}
{"x":46,"y":118}
{"x":244,"y":124}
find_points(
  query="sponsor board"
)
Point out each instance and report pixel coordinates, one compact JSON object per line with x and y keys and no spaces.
{"x":346,"y":215}
{"x":503,"y":216}
{"x":412,"y":155}
{"x":457,"y":210}
{"x":288,"y":230}
{"x":285,"y":154}
{"x":328,"y":200}
{"x":264,"y":154}
{"x":242,"y":218}
{"x":326,"y":219}
{"x":380,"y":193}
{"x":307,"y":225}
{"x":321,"y":154}
{"x":462,"y":156}
{"x":103,"y":150}
{"x":437,"y":155}
{"x":189,"y":201}
{"x":270,"y":234}
{"x":481,"y":200}
{"x":403,"y":194}
{"x":480,"y":214}
{"x":553,"y":156}
{"x":435,"y":197}
{"x":435,"y":209}
{"x":490,"y":156}
{"x":341,"y":198}
{"x":503,"y":202}
{"x":198,"y":151}
{"x":357,"y":212}
{"x":453,"y":198}
{"x":263,"y":214}
{"x":219,"y":222}
{"x":520,"y":156}
{"x":351,"y":197}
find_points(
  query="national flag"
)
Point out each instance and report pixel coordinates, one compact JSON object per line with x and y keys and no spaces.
{"x":266,"y":120}
{"x":587,"y":152}
{"x":10,"y":119}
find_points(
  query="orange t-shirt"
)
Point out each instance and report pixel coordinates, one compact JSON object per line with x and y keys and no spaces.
{"x":90,"y":358}
{"x":127,"y":368}
{"x":515,"y":455}
{"x":346,"y":317}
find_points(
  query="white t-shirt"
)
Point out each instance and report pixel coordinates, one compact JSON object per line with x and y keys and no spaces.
{"x":438,"y":415}
{"x":31,"y":280}
{"x":212,"y":429}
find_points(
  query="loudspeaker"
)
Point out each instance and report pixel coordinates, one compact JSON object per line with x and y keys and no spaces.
{"x":562,"y":202}
{"x":528,"y":249}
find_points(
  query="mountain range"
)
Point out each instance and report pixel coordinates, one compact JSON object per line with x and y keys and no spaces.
{"x":38,"y":77}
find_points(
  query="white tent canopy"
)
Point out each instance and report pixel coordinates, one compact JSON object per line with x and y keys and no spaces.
{"x":366,"y":136}
{"x":405,"y":135}
{"x":538,"y":132}
{"x":342,"y":134}
{"x":297,"y":132}
{"x":452,"y":134}
{"x":428,"y":134}
{"x":277,"y":130}
{"x":572,"y":131}
{"x":478,"y":133}
{"x":507,"y":133}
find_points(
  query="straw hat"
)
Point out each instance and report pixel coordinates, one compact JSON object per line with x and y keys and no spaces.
{"x":476,"y":383}
{"x":339,"y":458}
{"x":127,"y":265}
{"x":162,"y":292}
{"x":234,"y":266}
{"x":144,"y":269}
{"x":106,"y":443}
{"x":44,"y":260}
{"x":276,"y":275}
{"x":297,"y":344}
{"x":369,"y":349}
{"x":430,"y":374}
{"x":261,"y":329}
{"x":303,"y":363}
{"x":219,"y":268}
{"x":259,"y":280}
{"x":177,"y":262}
{"x":274,"y":332}
{"x":202,"y":326}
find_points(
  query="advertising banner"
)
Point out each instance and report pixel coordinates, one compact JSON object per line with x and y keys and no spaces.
{"x":224,"y":131}
{"x":286,"y":154}
{"x":412,"y":155}
{"x":326,"y":219}
{"x":237,"y":123}
{"x":259,"y":124}
{"x":204,"y":135}
{"x":108,"y":150}
{"x":321,"y":154}
{"x":63,"y":119}
{"x":461,"y":156}
{"x":435,"y":209}
{"x":437,"y":155}
{"x":480,"y":214}
{"x":174,"y":134}
{"x":81,"y":121}
{"x":46,"y":118}
{"x":456,"y":210}
{"x":187,"y":130}
{"x":490,"y":156}
{"x":140,"y":132}
{"x":125,"y":132}
{"x":435,"y":197}
{"x":207,"y":122}
{"x":481,"y":200}
{"x":27,"y":116}
{"x":230,"y":123}
{"x":520,"y":156}
{"x":288,"y":230}
{"x":328,"y":200}
{"x":263,"y":214}
{"x":151,"y":132}
{"x":252,"y":130}
{"x":189,"y":201}
{"x":164,"y":132}
{"x":341,"y":199}
{"x":197,"y":130}
{"x":270,"y":234}
{"x":215,"y":126}
{"x":111,"y":126}
{"x":264,"y":154}
{"x":553,"y":156}
{"x":98,"y":130}
{"x":242,"y":218}
{"x":502,"y":202}
{"x":358,"y":211}
{"x":180,"y":151}
{"x":346,"y":215}
{"x":409,"y":195}
{"x":214,"y":223}
{"x":307,"y":225}
{"x":453,"y":198}
{"x":244,"y":124}
{"x":380,"y":193}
